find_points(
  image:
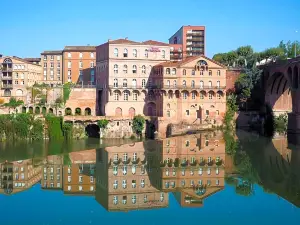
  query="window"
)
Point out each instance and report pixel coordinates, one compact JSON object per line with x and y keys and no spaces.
{"x":115,"y":184}
{"x":133,"y":199}
{"x":133,"y":169}
{"x":69,"y":179}
{"x":124,"y":184}
{"x":52,"y":57}
{"x":92,"y":54}
{"x":125,"y":53}
{"x":134,"y":156}
{"x":218,"y":73}
{"x":208,"y":171}
{"x":201,"y":84}
{"x":69,"y":64}
{"x":80,"y":64}
{"x":210,"y":95}
{"x":184,"y":83}
{"x":124,"y":82}
{"x":193,"y":95}
{"x":124,"y":170}
{"x":115,"y":170}
{"x":134,"y":69}
{"x":187,"y":143}
{"x":210,"y":73}
{"x":200,"y":172}
{"x":174,"y":83}
{"x":184,"y":72}
{"x":58,"y":58}
{"x":209,"y":84}
{"x":193,"y":84}
{"x":134,"y":83}
{"x":217,"y":112}
{"x":134,"y":53}
{"x":168,"y":71}
{"x":16,"y":82}
{"x":145,"y":198}
{"x":115,"y":200}
{"x":69,"y":55}
{"x":92,"y":64}
{"x":163,"y":54}
{"x":58,"y":65}
{"x":45,"y":65}
{"x":218,"y":84}
{"x":45,"y":57}
{"x":187,"y":112}
{"x":92,"y":188}
{"x":142,"y":183}
{"x":80,"y":55}
{"x":125,"y":69}
{"x":201,"y":72}
{"x":80,"y":179}
{"x":116,"y":94}
{"x":135,"y":96}
{"x":207,"y":112}
{"x":143,"y":69}
{"x":168,"y":83}
{"x":193,"y":72}
{"x":217,"y":170}
{"x":116,"y":69}
{"x":146,"y":53}
{"x":116,"y":52}
{"x":126,"y":96}
{"x":219,"y":95}
{"x":168,"y":113}
{"x":133,"y":183}
{"x":52,"y":65}
{"x":173,"y":71}
{"x":143,"y":83}
{"x":69,"y":188}
{"x":185,"y":95}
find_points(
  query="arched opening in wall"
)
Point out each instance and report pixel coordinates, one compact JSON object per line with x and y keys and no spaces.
{"x":177,"y":94}
{"x":23,"y":109}
{"x":30,"y":110}
{"x":295,"y":78}
{"x":87,"y":112}
{"x":92,"y":130}
{"x":19,"y":93}
{"x":7,"y":93}
{"x":131,"y":112}
{"x":151,"y":109}
{"x":77,"y":111}
{"x":37,"y":110}
{"x":50,"y":111}
{"x":44,"y":110}
{"x":169,"y":130}
{"x":68,"y":112}
{"x":60,"y":113}
{"x":118,"y":111}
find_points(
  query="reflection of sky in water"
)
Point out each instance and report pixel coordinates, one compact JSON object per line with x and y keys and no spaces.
{"x":35,"y":206}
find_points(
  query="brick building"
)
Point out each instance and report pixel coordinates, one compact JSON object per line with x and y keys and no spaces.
{"x":52,"y":67}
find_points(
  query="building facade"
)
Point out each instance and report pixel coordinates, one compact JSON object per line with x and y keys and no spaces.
{"x":187,"y":41}
{"x":52,"y":67}
{"x":16,"y":76}
{"x":124,"y":70}
{"x":78,"y":64}
{"x":52,"y":172}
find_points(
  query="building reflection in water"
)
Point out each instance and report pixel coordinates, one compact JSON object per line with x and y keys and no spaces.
{"x":132,"y":176}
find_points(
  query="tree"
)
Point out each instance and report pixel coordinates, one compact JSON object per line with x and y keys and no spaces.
{"x":289,"y":48}
{"x":138,"y":124}
{"x":103,"y":123}
{"x":13,"y":103}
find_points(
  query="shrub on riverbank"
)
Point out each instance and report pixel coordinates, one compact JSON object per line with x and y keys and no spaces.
{"x":281,"y":123}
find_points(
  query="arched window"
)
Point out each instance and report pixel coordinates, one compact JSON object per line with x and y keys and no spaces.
{"x":201,"y":72}
{"x":184,"y":72}
{"x":125,"y":53}
{"x":143,"y":83}
{"x":184,"y":83}
{"x":115,"y":68}
{"x":173,"y":71}
{"x":193,"y":72}
{"x":219,"y":94}
{"x":168,"y":113}
{"x":209,"y":84}
{"x":144,"y":69}
{"x":116,"y":95}
{"x":193,"y":84}
{"x":193,"y":95}
{"x":134,"y":69}
{"x":210,"y":73}
{"x":146,"y":53}
{"x":168,"y":105}
{"x":134,"y":53}
{"x":174,"y":83}
{"x":219,"y":73}
{"x":135,"y":96}
{"x":163,"y":54}
{"x":168,"y":71}
{"x":185,"y":95}
{"x":124,"y":82}
{"x":202,"y":95}
{"x":201,"y":84}
{"x":125,"y":69}
{"x":168,"y":83}
{"x":218,"y":84}
{"x":115,"y":82}
{"x":134,"y":83}
{"x":210,"y":95}
{"x":126,"y":94}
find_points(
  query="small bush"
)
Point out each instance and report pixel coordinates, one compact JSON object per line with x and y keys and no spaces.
{"x":138,"y":124}
{"x":103,"y":123}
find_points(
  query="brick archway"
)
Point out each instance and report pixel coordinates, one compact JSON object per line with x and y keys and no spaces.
{"x":118,"y":112}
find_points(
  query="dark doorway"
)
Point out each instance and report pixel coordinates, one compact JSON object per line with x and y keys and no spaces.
{"x":92,"y":130}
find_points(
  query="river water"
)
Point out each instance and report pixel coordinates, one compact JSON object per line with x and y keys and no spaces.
{"x":212,"y":178}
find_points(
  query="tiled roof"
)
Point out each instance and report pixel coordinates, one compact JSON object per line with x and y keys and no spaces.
{"x":80,"y":48}
{"x":151,"y":42}
{"x":56,"y":52}
{"x":123,"y":41}
{"x":32,"y":59}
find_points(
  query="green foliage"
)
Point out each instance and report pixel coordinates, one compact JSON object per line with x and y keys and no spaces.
{"x":54,"y":126}
{"x":103,"y":123}
{"x":77,"y":112}
{"x":13,"y":103}
{"x":281,"y":123}
{"x":67,"y":129}
{"x":20,"y":126}
{"x":289,"y":48}
{"x":68,"y":112}
{"x":66,"y":91}
{"x":138,"y":124}
{"x":230,"y":112}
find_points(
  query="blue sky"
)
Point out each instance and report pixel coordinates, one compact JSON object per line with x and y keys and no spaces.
{"x":32,"y":26}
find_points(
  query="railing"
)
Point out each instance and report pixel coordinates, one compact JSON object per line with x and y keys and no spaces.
{"x":6,"y":77}
{"x":198,"y":34}
{"x":84,"y":86}
{"x":167,"y":87}
{"x":7,"y":86}
{"x":5,"y":69}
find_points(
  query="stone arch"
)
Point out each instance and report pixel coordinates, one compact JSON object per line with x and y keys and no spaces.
{"x":30,"y":110}
{"x":60,"y":113}
{"x":77,"y":111}
{"x":19,"y":93}
{"x":131,"y":112}
{"x":24,"y":110}
{"x":87,"y":111}
{"x":290,"y":76}
{"x":7,"y":92}
{"x":92,"y":130}
{"x":37,"y":110}
{"x":44,"y":110}
{"x":118,"y":111}
{"x":68,"y":111}
{"x":177,"y":93}
{"x":50,"y":110}
{"x":196,"y":92}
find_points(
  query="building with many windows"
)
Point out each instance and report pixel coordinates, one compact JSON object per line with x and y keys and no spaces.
{"x":16,"y":76}
{"x":52,"y":172}
{"x":124,"y":70}
{"x":187,"y":41}
{"x":78,"y":64}
{"x":51,"y":62}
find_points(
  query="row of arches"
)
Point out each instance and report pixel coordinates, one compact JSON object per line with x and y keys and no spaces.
{"x":78,"y":112}
{"x":293,"y":76}
{"x":149,"y":110}
{"x":40,"y":110}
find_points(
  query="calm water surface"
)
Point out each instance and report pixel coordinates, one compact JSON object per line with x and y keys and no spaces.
{"x":210,"y":178}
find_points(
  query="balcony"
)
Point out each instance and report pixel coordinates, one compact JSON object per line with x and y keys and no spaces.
{"x":7,"y":86}
{"x":7,"y":69}
{"x":196,"y":87}
{"x":6,"y":77}
{"x":195,"y":34}
{"x":133,"y":87}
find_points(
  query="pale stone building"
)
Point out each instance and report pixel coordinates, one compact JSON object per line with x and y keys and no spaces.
{"x":52,"y":67}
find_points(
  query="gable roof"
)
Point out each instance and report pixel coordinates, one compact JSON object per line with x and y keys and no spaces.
{"x":123,"y":41}
{"x":151,"y":42}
